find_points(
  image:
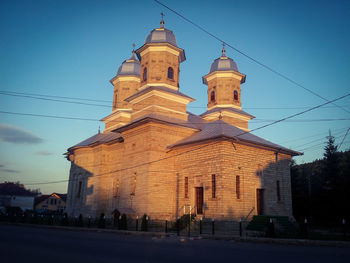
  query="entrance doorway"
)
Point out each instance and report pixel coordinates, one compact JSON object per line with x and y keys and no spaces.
{"x":260,"y":201}
{"x":199,"y":200}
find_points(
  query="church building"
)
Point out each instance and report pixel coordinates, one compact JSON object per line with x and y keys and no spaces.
{"x":155,"y":157}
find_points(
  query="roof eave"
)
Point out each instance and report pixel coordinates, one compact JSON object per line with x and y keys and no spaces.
{"x":264,"y":146}
{"x":243,"y":76}
{"x":147,"y":120}
{"x":182,"y":55}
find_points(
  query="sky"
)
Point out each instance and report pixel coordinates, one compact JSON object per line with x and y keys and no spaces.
{"x":73,"y":48}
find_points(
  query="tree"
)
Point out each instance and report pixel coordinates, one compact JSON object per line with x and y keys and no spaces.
{"x":330,"y":174}
{"x":321,"y":189}
{"x":331,"y":164}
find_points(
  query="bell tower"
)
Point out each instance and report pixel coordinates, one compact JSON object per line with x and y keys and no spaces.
{"x":125,"y":83}
{"x":160,"y":59}
{"x":224,"y":92}
{"x":159,"y":77}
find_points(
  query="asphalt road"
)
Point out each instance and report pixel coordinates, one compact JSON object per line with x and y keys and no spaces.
{"x":26,"y":244}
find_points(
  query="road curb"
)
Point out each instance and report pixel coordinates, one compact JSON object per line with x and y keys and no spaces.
{"x":299,"y":242}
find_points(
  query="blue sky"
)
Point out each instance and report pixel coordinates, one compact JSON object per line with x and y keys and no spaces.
{"x":73,"y":49}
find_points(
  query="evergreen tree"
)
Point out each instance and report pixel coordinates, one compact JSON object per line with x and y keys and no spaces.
{"x":330,"y":177}
{"x":331,"y":165}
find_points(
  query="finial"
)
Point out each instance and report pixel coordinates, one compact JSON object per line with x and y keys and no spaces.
{"x":133,"y":48}
{"x":162,"y":21}
{"x":223,"y":50}
{"x":133,"y":52}
{"x":220,"y":116}
{"x":99,"y":130}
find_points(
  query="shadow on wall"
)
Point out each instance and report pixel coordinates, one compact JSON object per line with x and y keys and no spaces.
{"x":80,"y":194}
{"x":260,"y":191}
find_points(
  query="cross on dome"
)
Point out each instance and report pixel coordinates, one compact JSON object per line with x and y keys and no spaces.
{"x":223,"y":50}
{"x":162,"y":21}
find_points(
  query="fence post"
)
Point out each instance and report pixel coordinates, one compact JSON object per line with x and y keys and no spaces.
{"x":178,"y":226}
{"x":166,"y":226}
{"x":200,"y":226}
{"x":89,"y":221}
{"x":271,"y":229}
{"x":240,"y":227}
{"x":212,"y":226}
{"x":344,"y":227}
{"x":137,"y":223}
{"x":147,"y":220}
{"x":119,"y":222}
{"x":305,"y":228}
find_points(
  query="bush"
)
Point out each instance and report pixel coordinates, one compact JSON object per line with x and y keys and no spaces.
{"x":184,"y":221}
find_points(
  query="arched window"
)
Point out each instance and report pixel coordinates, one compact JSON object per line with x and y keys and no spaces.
{"x":115,"y":100}
{"x":170,"y":73}
{"x":235,"y":95}
{"x":212,"y":96}
{"x":145,"y":74}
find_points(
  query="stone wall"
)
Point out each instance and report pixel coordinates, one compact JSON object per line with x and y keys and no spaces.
{"x":151,"y":177}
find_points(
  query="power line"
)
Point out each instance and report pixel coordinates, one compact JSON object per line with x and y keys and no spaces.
{"x":315,"y":145}
{"x":246,"y":55}
{"x":56,"y":100}
{"x":48,"y":116}
{"x":53,"y":96}
{"x":316,"y":140}
{"x":207,"y":123}
{"x":306,"y":137}
{"x":302,"y":120}
{"x":297,"y":114}
{"x":344,"y":138}
{"x":42,"y":97}
{"x":208,"y":144}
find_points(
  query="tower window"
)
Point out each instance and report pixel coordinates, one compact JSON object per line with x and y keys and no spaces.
{"x":145,"y":74}
{"x":235,"y":95}
{"x":186,"y":187}
{"x":115,"y":100}
{"x":170,"y":73}
{"x":212,"y":96}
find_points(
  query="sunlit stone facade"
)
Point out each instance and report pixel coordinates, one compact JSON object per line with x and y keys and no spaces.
{"x":156,"y":158}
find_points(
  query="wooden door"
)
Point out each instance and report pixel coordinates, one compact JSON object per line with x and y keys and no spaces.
{"x":260,"y":201}
{"x":199,"y":200}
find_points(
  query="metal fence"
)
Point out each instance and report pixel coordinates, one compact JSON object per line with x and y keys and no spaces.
{"x":181,"y":227}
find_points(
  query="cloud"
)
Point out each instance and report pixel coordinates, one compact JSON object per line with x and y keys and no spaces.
{"x":5,"y":170}
{"x":13,"y":134}
{"x":45,"y":153}
{"x":9,"y":171}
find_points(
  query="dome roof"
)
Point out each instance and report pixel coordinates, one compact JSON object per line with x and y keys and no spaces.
{"x":161,"y":35}
{"x":223,"y":63}
{"x":164,"y":37}
{"x":130,"y":66}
